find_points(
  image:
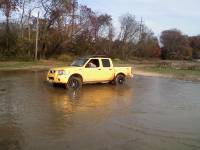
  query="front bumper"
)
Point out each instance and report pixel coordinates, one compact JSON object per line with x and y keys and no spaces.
{"x":62,"y":79}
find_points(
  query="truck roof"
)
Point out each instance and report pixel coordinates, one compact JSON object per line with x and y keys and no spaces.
{"x":95,"y":56}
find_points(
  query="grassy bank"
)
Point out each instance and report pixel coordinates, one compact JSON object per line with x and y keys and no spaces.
{"x":186,"y":70}
{"x":170,"y":72}
{"x":171,"y":69}
{"x":22,"y":65}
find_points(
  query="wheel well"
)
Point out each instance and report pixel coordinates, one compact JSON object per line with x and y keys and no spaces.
{"x":121,"y":74}
{"x":77,"y":75}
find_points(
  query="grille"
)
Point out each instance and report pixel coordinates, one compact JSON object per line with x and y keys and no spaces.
{"x":51,"y":78}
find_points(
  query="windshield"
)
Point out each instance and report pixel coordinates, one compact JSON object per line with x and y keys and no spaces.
{"x":79,"y":62}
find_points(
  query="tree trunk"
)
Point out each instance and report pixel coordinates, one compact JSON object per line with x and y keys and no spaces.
{"x":37,"y":35}
{"x":7,"y":34}
{"x":21,"y":22}
{"x":73,"y":20}
{"x":29,"y":26}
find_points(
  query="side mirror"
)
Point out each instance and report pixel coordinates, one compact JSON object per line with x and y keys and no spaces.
{"x":87,"y":66}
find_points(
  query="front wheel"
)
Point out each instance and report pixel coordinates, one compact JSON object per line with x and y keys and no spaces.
{"x":120,"y":79}
{"x":74,"y":83}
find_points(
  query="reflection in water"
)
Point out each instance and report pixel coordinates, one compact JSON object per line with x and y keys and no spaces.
{"x":89,"y":97}
{"x":98,"y":94}
{"x":147,"y":113}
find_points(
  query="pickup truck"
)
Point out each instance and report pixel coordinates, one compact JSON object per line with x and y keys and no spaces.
{"x":93,"y":69}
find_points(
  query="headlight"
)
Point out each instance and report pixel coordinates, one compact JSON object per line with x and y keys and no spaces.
{"x":61,"y":72}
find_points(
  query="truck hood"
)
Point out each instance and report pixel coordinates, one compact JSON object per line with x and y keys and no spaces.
{"x":66,"y":68}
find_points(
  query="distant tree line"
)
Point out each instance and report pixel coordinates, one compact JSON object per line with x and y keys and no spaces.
{"x":67,"y":27}
{"x":175,"y":45}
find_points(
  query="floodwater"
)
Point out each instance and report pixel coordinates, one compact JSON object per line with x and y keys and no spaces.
{"x":146,"y":114}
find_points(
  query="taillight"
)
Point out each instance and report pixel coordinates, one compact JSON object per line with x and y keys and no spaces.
{"x":132,"y":71}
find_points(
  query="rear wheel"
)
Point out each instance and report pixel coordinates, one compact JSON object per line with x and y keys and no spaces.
{"x":74,"y":83}
{"x":120,"y":79}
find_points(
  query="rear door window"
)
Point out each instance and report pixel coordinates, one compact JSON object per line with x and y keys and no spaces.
{"x":106,"y":62}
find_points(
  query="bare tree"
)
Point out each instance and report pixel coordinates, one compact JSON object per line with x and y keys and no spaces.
{"x":22,"y":17}
{"x":110,"y":37}
{"x":74,"y":5}
{"x":37,"y":37}
{"x":148,"y":45}
{"x":103,"y":25}
{"x":129,"y":33}
{"x":7,"y":6}
{"x":129,"y":28}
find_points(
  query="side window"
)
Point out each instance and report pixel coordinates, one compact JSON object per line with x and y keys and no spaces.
{"x":93,"y":63}
{"x":106,"y":62}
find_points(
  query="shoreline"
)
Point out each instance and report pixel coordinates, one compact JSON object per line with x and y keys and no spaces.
{"x":46,"y":65}
{"x":160,"y":75}
{"x":151,"y":74}
{"x":187,"y":75}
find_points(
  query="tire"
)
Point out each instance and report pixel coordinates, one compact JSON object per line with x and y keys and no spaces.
{"x":120,"y":79}
{"x":55,"y":84}
{"x":74,"y":83}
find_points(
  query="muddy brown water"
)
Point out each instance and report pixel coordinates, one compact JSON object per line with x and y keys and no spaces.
{"x":147,"y":113}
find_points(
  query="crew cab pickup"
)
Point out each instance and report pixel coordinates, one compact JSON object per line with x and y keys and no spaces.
{"x":86,"y":70}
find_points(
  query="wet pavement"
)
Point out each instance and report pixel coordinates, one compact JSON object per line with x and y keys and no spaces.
{"x":146,"y":114}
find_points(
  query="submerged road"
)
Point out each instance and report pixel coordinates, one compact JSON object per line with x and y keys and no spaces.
{"x":148,"y":113}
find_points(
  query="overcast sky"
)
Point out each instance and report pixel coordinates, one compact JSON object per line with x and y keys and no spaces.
{"x":158,"y":15}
